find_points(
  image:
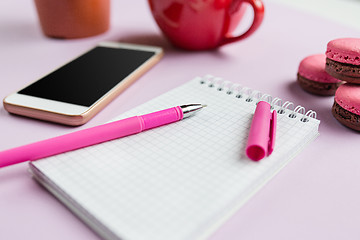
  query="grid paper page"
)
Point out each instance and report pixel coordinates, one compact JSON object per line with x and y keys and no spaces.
{"x":176,"y":181}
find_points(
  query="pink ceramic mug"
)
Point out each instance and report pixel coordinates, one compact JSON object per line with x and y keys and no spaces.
{"x":203,"y":24}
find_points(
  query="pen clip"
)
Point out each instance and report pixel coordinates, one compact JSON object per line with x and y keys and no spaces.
{"x":261,"y":139}
{"x":272,"y":132}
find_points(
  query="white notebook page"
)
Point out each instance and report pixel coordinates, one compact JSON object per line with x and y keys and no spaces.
{"x":177,"y":181}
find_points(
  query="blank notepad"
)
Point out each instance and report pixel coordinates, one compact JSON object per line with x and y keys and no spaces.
{"x":179,"y":181}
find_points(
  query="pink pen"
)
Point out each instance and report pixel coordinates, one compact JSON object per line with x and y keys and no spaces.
{"x":95,"y":135}
{"x":261,"y":139}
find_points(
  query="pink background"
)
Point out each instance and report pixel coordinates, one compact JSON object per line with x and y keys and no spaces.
{"x":316,"y":196}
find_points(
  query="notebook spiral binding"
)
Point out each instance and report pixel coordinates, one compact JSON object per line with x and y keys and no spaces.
{"x":251,"y":95}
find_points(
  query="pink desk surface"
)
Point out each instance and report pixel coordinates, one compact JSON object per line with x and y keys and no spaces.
{"x":316,"y":196}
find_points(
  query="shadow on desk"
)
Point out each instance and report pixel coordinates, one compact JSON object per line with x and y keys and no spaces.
{"x":161,"y":40}
{"x":148,"y":39}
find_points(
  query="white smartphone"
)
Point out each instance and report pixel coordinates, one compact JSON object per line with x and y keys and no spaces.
{"x":75,"y":92}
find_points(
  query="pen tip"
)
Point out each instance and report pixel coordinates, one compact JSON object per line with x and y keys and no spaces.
{"x":204,"y":105}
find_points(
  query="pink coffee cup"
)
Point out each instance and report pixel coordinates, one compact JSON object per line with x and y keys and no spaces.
{"x":204,"y":24}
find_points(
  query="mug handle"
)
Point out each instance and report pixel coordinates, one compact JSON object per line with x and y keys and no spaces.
{"x":258,"y":8}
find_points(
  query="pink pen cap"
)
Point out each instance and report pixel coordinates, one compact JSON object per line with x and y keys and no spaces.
{"x":262,"y":133}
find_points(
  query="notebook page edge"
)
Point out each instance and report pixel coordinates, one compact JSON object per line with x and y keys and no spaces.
{"x":90,"y":221}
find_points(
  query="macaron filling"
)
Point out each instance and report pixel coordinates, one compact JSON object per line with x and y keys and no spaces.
{"x":346,"y":117}
{"x":319,"y":88}
{"x":344,"y":71}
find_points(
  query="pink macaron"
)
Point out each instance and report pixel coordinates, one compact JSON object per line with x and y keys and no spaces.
{"x":346,"y":108}
{"x":313,"y":78}
{"x":343,"y":59}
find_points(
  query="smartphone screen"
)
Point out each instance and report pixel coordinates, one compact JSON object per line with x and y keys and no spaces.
{"x":89,"y":77}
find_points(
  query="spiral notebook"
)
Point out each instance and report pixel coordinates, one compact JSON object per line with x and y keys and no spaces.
{"x":182,"y":180}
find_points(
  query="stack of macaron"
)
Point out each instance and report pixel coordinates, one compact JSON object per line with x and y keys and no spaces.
{"x":337,"y":72}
